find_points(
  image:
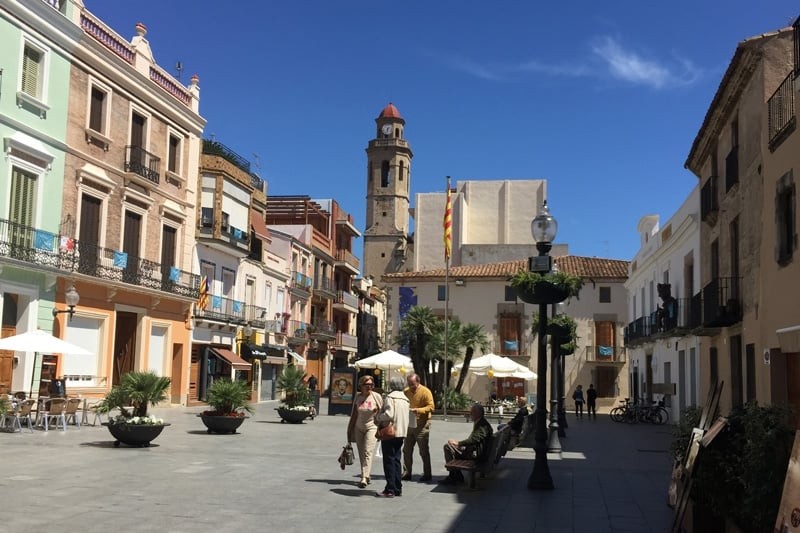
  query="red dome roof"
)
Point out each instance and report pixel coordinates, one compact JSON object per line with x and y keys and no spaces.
{"x":390,"y":111}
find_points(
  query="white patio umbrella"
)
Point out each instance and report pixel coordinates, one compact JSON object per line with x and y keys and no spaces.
{"x":39,"y":341}
{"x":389,"y":359}
{"x":496,"y":363}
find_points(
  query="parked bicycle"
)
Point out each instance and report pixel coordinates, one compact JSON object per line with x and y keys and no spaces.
{"x":633,"y":412}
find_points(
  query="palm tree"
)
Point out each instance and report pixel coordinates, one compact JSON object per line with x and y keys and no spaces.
{"x":472,"y":336}
{"x":417,"y":328}
{"x":435,"y":350}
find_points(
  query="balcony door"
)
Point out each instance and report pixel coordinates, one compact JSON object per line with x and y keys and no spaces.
{"x":21,"y":215}
{"x":124,"y":345}
{"x":89,"y":234}
{"x":130,"y":245}
{"x":169,"y":239}
{"x":604,"y":337}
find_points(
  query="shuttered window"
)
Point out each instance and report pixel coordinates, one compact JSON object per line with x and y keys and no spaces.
{"x":32,"y":72}
{"x":97,"y":110}
{"x":23,"y":192}
{"x":509,"y":328}
{"x":174,"y":151}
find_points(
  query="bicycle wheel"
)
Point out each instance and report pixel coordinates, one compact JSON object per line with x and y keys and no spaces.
{"x":617,"y":414}
{"x":663,"y":413}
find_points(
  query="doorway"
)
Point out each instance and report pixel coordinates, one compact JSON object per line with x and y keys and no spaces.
{"x":124,"y":345}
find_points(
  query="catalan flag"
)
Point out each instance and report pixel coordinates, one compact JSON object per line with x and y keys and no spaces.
{"x":202,"y":299}
{"x":448,"y":222}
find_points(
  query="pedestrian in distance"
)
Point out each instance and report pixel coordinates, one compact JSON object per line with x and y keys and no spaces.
{"x":395,"y":410}
{"x":474,"y":447}
{"x":362,"y":428}
{"x":578,"y":397}
{"x":591,"y":401}
{"x":312,"y":383}
{"x":419,"y":431}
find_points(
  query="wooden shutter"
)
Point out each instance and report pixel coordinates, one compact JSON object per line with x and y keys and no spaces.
{"x":23,"y":191}
{"x":96,"y":110}
{"x":172,"y":164}
{"x":604,"y":334}
{"x":509,"y":328}
{"x":131,"y":237}
{"x":31,"y":72}
{"x":137,"y":130}
{"x":89,"y":233}
{"x":168,"y":242}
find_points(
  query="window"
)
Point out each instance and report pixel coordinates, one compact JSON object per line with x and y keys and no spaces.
{"x":402,"y":169}
{"x":785,"y":212}
{"x":206,"y":217}
{"x":385,"y":174}
{"x":605,"y":295}
{"x":32,"y":82}
{"x":174,"y":154}
{"x":714,"y":259}
{"x":511,"y":294}
{"x":750,"y":357}
{"x":441,"y":291}
{"x":97,"y":105}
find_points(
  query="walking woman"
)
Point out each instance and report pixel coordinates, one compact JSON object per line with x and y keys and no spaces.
{"x":396,"y":409}
{"x":362,"y":428}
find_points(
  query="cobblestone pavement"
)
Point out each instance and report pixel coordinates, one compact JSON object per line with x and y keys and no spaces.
{"x":285,"y":477}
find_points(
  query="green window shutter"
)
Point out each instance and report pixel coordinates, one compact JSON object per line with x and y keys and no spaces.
{"x":23,"y":191}
{"x":32,"y":72}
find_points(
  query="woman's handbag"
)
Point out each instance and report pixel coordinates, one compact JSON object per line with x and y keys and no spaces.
{"x":347,"y":456}
{"x":385,"y":432}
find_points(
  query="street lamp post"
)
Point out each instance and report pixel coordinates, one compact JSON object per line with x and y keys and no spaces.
{"x":71,"y":297}
{"x":554,"y":444}
{"x":543,"y":229}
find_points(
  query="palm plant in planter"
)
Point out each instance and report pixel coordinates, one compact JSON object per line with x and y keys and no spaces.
{"x":295,"y":406}
{"x":229,"y":403}
{"x":545,"y":288}
{"x":132,"y":396}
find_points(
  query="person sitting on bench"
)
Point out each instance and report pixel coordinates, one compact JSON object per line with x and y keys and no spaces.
{"x":516,"y":424}
{"x":474,"y":447}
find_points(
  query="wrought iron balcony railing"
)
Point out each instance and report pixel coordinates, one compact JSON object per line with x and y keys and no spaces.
{"x":345,"y":299}
{"x":140,"y":161}
{"x":324,"y":287}
{"x":300,"y":281}
{"x":223,"y":309}
{"x":45,"y":249}
{"x":320,"y":329}
{"x":255,"y":315}
{"x":780,"y":109}
{"x":722,"y":305}
{"x":297,"y":331}
{"x":606,"y":354}
{"x":345,"y":340}
{"x":274,"y":326}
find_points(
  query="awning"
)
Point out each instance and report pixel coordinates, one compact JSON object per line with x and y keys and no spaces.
{"x":269,"y":353}
{"x":259,"y":227}
{"x":231,"y":358}
{"x":297,"y":357}
{"x":789,"y":339}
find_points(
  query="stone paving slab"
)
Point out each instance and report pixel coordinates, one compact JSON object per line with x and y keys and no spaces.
{"x":285,"y":477}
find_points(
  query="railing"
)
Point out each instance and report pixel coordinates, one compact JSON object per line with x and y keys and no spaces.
{"x":722,"y":302}
{"x":709,"y":201}
{"x":58,"y":5}
{"x":606,"y":354}
{"x":141,"y":162}
{"x":696,"y":311}
{"x":343,"y":256}
{"x":297,"y":331}
{"x":163,"y":80}
{"x":732,"y":168}
{"x":322,"y":328}
{"x":238,"y":235}
{"x":255,"y":315}
{"x":107,"y":38}
{"x":217,"y":148}
{"x":274,"y":326}
{"x":300,"y":281}
{"x":324,"y":286}
{"x":780,"y":108}
{"x":222,"y":308}
{"x":392,"y":141}
{"x":346,"y":340}
{"x":641,"y":328}
{"x":345,"y":298}
{"x":43,"y":248}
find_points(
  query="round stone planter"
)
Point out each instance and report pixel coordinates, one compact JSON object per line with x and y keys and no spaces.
{"x":221,"y":423}
{"x":138,"y":435}
{"x":543,"y":292}
{"x":292,"y":416}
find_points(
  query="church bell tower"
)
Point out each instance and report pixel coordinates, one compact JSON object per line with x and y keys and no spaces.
{"x":386,"y":240}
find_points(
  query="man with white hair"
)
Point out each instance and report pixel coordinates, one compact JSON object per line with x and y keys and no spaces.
{"x":475,"y":446}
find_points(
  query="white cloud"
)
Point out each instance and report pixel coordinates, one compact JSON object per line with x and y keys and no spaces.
{"x":628,"y":66}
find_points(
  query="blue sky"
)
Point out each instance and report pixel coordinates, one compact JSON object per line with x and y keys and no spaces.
{"x":602,"y":99}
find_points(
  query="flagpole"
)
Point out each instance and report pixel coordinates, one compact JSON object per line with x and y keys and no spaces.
{"x":447,"y":226}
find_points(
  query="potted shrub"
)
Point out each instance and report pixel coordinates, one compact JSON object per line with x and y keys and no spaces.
{"x":229,"y":403}
{"x":545,"y":288}
{"x":134,"y":394}
{"x":295,"y":406}
{"x":563,"y":327}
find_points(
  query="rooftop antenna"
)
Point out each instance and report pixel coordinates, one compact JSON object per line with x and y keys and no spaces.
{"x":179,"y":68}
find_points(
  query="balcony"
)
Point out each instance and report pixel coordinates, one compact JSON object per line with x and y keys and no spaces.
{"x":345,"y":342}
{"x":223,"y":309}
{"x":347,"y":261}
{"x":732,"y":168}
{"x":780,"y":112}
{"x":606,"y":354}
{"x":255,"y":315}
{"x":47,"y":251}
{"x":323,"y":287}
{"x":142,"y":163}
{"x":709,"y":201}
{"x":274,"y":326}
{"x":322,"y":330}
{"x":722,"y":304}
{"x":348,"y":224}
{"x":300,"y":285}
{"x":346,"y":302}
{"x":218,"y":149}
{"x":297,"y":332}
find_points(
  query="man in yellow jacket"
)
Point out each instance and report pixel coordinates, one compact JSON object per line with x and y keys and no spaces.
{"x":421,"y":400}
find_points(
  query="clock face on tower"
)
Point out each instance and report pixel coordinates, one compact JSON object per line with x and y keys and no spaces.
{"x":387,"y":129}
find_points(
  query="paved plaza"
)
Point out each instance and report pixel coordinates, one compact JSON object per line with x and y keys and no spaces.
{"x":285,"y":478}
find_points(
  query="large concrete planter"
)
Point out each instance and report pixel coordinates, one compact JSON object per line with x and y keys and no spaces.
{"x":292,"y":416}
{"x":222,"y":423}
{"x":138,"y":435}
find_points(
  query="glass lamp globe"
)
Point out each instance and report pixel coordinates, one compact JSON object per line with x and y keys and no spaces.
{"x":544,"y":226}
{"x":72,"y":297}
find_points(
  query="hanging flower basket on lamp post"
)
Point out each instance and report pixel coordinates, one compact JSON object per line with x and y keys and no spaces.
{"x":549,"y":288}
